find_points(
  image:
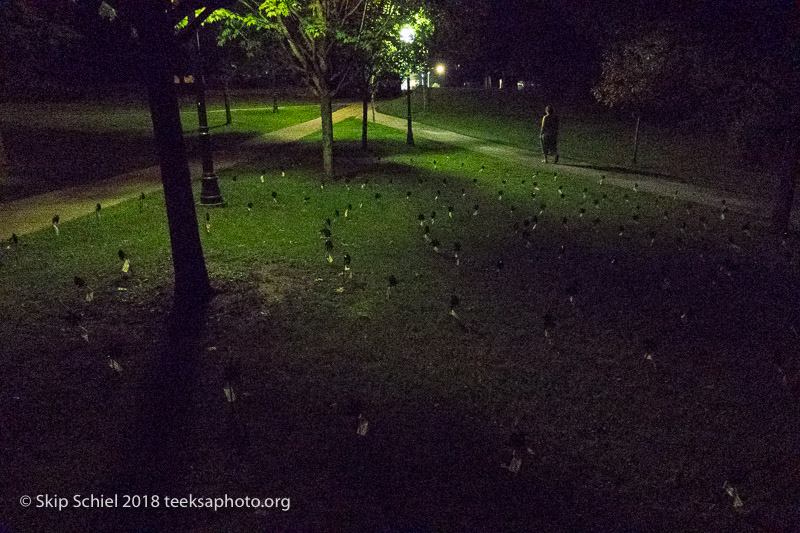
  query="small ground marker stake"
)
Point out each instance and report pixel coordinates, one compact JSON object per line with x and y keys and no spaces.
{"x":114,"y":365}
{"x":731,"y":491}
{"x":454,"y":301}
{"x":363,"y":426}
{"x":515,"y":464}
{"x":230,"y":395}
{"x":126,"y":264}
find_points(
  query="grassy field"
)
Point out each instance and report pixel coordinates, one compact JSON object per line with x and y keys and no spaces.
{"x":591,"y":135}
{"x":640,"y":344}
{"x":53,"y":146}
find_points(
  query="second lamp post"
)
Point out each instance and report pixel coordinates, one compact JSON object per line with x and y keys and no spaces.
{"x":407,"y":34}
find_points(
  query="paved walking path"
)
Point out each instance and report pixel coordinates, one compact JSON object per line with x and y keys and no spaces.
{"x":34,"y":213}
{"x":298,"y":131}
{"x":661,"y":187}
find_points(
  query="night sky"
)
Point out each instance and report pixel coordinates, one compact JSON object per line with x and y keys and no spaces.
{"x":556,"y":43}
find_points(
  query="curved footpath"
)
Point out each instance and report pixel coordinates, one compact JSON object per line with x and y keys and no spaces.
{"x":530,"y":159}
{"x":31,"y":214}
{"x":34,"y":213}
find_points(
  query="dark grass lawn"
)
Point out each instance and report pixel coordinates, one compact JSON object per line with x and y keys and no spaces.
{"x":641,"y":347}
{"x":52,"y":146}
{"x":594,"y":136}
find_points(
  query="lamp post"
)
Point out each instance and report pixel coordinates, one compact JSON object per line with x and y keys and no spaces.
{"x":407,"y":34}
{"x":210,"y":195}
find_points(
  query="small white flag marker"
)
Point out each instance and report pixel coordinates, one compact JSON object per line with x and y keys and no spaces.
{"x":114,"y":365}
{"x":515,"y":464}
{"x":230,"y":395}
{"x":733,"y":493}
{"x":363,"y":426}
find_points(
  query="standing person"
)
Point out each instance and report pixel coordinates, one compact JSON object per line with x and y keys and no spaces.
{"x":549,"y":134}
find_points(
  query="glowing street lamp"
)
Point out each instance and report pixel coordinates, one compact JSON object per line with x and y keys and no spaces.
{"x":407,"y":34}
{"x":440,"y":69}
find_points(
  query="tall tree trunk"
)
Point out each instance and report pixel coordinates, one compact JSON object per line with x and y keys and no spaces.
{"x":226,"y":97}
{"x":274,"y":92}
{"x":191,"y":277}
{"x":3,"y":162}
{"x":790,"y":169}
{"x":424,"y":78}
{"x":365,"y":115}
{"x":373,"y":89}
{"x":788,"y":177}
{"x":326,"y":113}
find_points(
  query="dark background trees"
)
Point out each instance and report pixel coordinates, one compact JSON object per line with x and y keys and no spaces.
{"x":724,"y":67}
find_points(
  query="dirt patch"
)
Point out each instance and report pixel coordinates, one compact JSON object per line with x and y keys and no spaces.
{"x":278,"y":283}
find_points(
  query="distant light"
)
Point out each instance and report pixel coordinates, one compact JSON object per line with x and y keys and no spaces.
{"x":407,"y":34}
{"x":414,"y":83}
{"x":439,"y":69}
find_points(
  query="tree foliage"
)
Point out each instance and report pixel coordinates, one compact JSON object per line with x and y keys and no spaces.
{"x":323,"y":41}
{"x":39,"y":50}
{"x":311,"y":35}
{"x":729,"y":67}
{"x":647,"y":71}
{"x":731,"y":71}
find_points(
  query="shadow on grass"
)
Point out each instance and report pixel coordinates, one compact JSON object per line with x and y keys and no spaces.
{"x":350,"y":159}
{"x":626,"y":170}
{"x":47,"y":159}
{"x":164,"y":433}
